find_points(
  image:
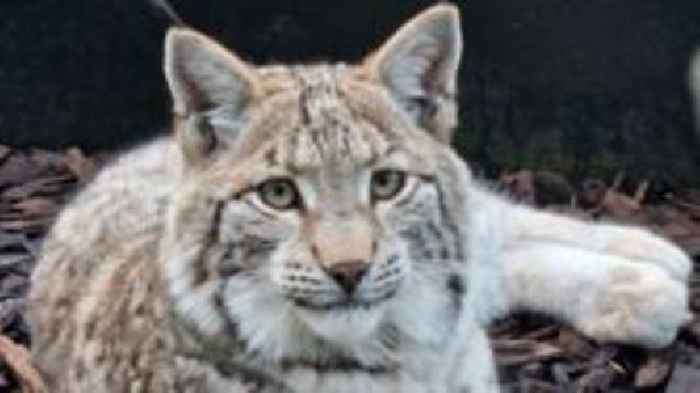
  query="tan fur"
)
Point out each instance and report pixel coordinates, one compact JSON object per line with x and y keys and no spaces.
{"x":172,"y":272}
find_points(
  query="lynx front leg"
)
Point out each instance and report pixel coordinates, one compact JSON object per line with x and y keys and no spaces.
{"x":634,"y":244}
{"x":605,"y":296}
{"x":474,"y":370}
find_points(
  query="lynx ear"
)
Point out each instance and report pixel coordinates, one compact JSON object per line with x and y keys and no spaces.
{"x":210,"y":88}
{"x":419,"y":65}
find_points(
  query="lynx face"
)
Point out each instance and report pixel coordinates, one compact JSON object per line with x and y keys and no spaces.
{"x":338,"y":239}
{"x":316,"y":198}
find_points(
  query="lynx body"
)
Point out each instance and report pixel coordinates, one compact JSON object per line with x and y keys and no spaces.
{"x":308,"y":229}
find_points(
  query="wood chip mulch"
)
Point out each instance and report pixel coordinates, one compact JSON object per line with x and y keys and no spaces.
{"x":535,"y":354}
{"x":34,"y":184}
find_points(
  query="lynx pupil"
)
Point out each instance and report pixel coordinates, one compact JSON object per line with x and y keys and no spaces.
{"x":386,"y":184}
{"x":279,"y":194}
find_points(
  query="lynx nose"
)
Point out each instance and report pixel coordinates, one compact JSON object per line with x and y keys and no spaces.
{"x":348,"y":274}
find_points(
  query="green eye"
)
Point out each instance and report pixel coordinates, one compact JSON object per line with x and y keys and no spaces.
{"x":386,"y":184}
{"x":279,"y":194}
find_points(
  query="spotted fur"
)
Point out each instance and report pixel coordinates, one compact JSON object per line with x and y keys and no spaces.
{"x":173,"y":273}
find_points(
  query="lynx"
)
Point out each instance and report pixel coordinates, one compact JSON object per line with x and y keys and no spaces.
{"x":309,"y":229}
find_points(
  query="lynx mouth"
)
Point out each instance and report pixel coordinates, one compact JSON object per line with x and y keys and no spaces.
{"x":347,"y":304}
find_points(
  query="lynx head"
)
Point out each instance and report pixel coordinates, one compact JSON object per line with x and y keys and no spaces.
{"x":318,"y":203}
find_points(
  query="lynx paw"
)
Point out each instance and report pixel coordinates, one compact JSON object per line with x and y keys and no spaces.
{"x":642,"y":305}
{"x":638,"y":245}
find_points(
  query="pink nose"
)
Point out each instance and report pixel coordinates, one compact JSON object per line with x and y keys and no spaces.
{"x":348,"y":274}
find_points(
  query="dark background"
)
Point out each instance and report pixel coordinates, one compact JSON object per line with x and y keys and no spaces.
{"x":584,"y":87}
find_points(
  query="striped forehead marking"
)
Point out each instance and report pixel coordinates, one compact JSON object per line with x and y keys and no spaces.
{"x":328,"y":131}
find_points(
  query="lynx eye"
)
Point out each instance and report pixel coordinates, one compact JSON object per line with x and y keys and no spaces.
{"x":386,"y":184}
{"x":279,"y":194}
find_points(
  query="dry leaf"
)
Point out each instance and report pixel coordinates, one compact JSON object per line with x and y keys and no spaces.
{"x":520,"y":186}
{"x":42,"y":186}
{"x":653,"y":371}
{"x":4,"y":152}
{"x":574,"y":344}
{"x":36,"y":207}
{"x":82,"y":167}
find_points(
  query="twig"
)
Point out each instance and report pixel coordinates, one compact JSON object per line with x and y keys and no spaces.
{"x":618,"y":181}
{"x":19,"y":361}
{"x":641,"y":191}
{"x":164,"y":5}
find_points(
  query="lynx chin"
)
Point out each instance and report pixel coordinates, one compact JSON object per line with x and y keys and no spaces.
{"x":308,"y":229}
